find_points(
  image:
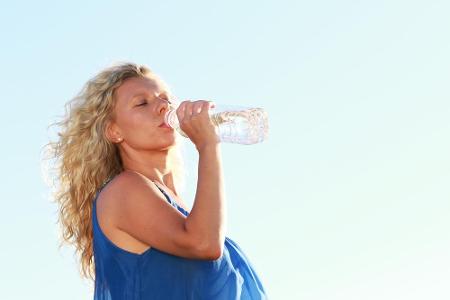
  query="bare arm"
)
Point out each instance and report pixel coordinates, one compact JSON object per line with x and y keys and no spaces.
{"x":208,"y":215}
{"x":138,"y":208}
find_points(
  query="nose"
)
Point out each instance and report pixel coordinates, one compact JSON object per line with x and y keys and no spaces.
{"x":164,"y":105}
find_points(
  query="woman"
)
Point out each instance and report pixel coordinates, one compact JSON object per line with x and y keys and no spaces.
{"x":119,"y":176}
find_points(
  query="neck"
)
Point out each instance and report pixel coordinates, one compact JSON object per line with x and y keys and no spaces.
{"x":154,"y":165}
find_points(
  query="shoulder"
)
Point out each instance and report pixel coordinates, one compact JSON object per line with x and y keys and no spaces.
{"x":121,"y":188}
{"x":126,"y":181}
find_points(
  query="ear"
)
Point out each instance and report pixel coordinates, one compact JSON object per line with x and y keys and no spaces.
{"x":112,"y":132}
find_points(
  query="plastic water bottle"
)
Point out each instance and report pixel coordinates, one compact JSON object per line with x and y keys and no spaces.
{"x":234,"y":123}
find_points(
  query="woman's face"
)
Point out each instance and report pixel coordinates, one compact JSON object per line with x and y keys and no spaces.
{"x":141,"y":104}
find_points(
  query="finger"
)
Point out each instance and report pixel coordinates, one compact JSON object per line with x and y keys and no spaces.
{"x":188,"y":110}
{"x":207,"y":105}
{"x":197,"y":107}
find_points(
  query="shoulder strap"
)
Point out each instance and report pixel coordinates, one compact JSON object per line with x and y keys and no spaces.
{"x":165,"y":194}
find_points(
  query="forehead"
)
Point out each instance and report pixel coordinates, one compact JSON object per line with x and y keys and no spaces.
{"x":136,"y":85}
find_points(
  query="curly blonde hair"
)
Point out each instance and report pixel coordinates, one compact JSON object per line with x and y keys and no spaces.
{"x":85,"y":158}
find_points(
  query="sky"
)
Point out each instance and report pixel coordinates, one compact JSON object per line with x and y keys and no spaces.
{"x":348,"y":198}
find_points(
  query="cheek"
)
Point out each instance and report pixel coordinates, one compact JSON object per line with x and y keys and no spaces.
{"x":143,"y":131}
{"x":146,"y":131}
{"x":140,"y":122}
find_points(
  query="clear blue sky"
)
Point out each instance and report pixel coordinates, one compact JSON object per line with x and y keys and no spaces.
{"x":349,"y":196}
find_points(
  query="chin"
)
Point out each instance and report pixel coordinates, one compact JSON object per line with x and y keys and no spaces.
{"x":169,"y":144}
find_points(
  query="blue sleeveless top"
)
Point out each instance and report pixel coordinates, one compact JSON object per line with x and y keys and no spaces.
{"x":154,"y":274}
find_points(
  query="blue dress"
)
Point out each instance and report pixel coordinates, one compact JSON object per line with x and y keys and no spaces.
{"x":154,"y":274}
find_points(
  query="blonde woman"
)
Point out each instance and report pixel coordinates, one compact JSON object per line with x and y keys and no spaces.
{"x":119,"y":174}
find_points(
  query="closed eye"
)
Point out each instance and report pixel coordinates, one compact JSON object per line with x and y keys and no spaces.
{"x":164,"y":98}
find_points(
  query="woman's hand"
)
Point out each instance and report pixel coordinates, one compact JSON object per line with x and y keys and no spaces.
{"x":196,"y":123}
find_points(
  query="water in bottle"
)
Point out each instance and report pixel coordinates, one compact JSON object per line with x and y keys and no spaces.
{"x":234,"y":123}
